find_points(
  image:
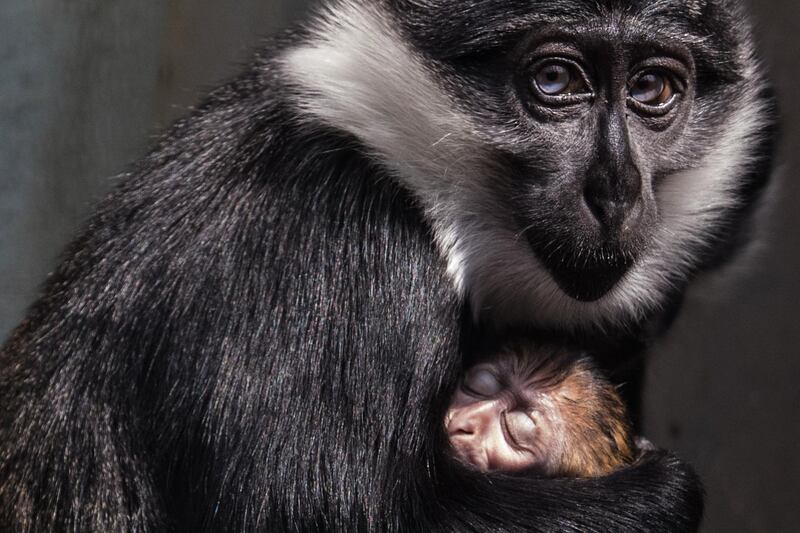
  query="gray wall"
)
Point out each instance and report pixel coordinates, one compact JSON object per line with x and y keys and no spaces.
{"x":86,"y":84}
{"x":724,"y":386}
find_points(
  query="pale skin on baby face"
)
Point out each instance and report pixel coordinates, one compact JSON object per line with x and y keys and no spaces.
{"x":538,"y":410}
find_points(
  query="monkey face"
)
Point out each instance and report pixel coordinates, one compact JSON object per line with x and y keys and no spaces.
{"x":578,"y":161}
{"x":496,"y":422}
{"x":588,"y":116}
{"x":539,"y":409}
{"x":596,"y":107}
{"x":597,"y":117}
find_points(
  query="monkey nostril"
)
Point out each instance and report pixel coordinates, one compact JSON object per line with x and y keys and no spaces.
{"x":599,"y":205}
{"x":460,"y":428}
{"x":593,"y":207}
{"x":609,"y":212}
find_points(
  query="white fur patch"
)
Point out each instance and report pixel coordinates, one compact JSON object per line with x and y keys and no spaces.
{"x":358,"y":75}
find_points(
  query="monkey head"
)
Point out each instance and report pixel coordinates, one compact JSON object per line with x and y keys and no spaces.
{"x":542,"y":410}
{"x":578,"y":161}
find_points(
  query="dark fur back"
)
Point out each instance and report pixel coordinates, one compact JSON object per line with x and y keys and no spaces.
{"x":255,"y":333}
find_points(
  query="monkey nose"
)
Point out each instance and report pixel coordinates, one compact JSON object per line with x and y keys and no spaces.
{"x":612,"y":196}
{"x":460,"y":424}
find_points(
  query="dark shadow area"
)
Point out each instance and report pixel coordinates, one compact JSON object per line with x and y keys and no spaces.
{"x":722,"y":386}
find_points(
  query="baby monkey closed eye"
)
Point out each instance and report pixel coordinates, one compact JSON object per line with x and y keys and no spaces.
{"x":536,"y":408}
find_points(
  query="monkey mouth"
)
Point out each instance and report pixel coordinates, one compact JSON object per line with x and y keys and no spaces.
{"x":589,"y":275}
{"x":585,"y":264}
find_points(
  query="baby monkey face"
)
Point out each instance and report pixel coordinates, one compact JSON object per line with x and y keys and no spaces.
{"x":503,"y":418}
{"x":533,"y":409}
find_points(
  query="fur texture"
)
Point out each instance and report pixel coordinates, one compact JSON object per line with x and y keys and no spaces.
{"x":359,"y":74}
{"x":259,"y":329}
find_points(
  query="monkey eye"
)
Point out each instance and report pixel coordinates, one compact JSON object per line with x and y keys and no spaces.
{"x":559,"y":81}
{"x":653,"y":91}
{"x":482,"y":382}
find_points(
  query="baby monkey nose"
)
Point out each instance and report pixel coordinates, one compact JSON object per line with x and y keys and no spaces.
{"x":472,"y":420}
{"x":460,"y":424}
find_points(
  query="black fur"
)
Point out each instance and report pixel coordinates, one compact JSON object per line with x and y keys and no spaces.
{"x":475,"y":44}
{"x":255,"y":333}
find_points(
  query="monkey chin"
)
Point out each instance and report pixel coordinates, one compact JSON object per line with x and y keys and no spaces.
{"x":591,"y":282}
{"x":542,"y":460}
{"x":587,"y":278}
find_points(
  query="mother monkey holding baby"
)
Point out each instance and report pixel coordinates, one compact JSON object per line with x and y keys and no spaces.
{"x":261,"y":327}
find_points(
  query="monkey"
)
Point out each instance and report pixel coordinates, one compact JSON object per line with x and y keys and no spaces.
{"x":260,"y":327}
{"x":539,"y":409}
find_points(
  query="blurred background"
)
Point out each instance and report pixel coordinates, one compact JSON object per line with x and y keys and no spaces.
{"x":86,"y":85}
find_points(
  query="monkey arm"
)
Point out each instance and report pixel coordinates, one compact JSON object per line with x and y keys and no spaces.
{"x":659,"y":493}
{"x":253,"y":334}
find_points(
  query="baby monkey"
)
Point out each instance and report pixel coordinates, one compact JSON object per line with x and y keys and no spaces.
{"x":536,"y":408}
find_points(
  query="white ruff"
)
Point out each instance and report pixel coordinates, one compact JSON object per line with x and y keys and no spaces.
{"x":358,"y":75}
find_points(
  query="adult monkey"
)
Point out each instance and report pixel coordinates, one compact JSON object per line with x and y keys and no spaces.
{"x":258,"y":330}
